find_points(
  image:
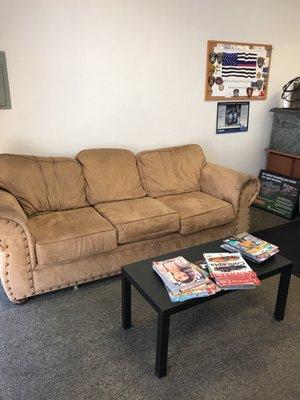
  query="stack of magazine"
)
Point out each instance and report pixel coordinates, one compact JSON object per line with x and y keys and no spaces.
{"x":184,"y":280}
{"x":230,"y":271}
{"x":251,"y":247}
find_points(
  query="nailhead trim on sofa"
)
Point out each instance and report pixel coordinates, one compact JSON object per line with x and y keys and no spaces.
{"x":6,"y":266}
{"x":74,"y":283}
{"x":248,"y":207}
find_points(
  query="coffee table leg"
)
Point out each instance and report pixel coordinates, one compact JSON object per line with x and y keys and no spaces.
{"x":162,"y":344}
{"x":282,"y":294}
{"x":126,"y":302}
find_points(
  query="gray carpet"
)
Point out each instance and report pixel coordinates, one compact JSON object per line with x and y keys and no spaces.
{"x":261,"y":219}
{"x":70,"y":345}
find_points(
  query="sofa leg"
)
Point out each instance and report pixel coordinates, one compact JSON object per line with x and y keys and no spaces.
{"x":22,"y":301}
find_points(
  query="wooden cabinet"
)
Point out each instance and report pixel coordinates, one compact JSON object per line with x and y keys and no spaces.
{"x":283,"y":163}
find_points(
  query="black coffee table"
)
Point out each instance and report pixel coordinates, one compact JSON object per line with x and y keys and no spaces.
{"x":287,"y":237}
{"x":150,"y":286}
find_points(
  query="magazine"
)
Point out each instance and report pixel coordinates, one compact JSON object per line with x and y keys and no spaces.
{"x":256,"y":249}
{"x":230,"y":271}
{"x":184,"y":280}
{"x":178,"y":274}
{"x":203,"y":290}
{"x":216,"y":271}
{"x":201,"y":266}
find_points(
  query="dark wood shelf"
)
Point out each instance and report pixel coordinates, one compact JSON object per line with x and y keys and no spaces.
{"x":269,"y":150}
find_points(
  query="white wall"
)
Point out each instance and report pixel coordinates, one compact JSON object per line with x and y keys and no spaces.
{"x":130,"y":73}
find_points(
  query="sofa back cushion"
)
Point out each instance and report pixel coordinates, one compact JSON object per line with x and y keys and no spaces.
{"x":171,"y":170}
{"x":43,"y":183}
{"x":111,"y":175}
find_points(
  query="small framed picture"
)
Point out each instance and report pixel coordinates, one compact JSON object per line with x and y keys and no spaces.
{"x":232,"y":117}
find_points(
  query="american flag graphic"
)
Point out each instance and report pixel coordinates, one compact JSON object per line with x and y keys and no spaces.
{"x":241,"y":65}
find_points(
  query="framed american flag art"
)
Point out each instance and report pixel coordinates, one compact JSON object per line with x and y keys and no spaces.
{"x":237,"y":71}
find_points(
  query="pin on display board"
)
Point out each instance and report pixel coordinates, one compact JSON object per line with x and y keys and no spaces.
{"x":238,"y":71}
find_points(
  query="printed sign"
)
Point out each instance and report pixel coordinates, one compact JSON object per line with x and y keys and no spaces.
{"x":278,"y":194}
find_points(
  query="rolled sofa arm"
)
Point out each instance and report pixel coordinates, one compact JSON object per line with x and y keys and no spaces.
{"x":17,"y":249}
{"x":234,"y":187}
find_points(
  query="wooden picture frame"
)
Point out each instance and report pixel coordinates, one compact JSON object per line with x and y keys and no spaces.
{"x":237,"y":71}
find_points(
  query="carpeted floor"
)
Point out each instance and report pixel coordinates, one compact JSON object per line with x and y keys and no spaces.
{"x":69,"y":345}
{"x":261,"y":219}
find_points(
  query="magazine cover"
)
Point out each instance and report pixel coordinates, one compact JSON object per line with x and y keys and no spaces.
{"x":199,"y":291}
{"x":251,"y":245}
{"x":237,"y":283}
{"x":220,"y":263}
{"x":201,"y":266}
{"x":258,"y":258}
{"x":230,"y":269}
{"x":209,"y":288}
{"x":178,"y":274}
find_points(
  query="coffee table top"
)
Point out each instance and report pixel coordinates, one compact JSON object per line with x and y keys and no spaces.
{"x":287,"y":238}
{"x":148,"y":283}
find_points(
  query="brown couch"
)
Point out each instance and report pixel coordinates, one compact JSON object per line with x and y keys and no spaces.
{"x":67,"y":221}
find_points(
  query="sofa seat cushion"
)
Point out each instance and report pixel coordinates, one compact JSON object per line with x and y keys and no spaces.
{"x":171,"y":170}
{"x":199,"y":211}
{"x":70,"y":235}
{"x":139,"y":219}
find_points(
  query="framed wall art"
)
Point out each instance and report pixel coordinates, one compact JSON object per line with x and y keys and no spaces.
{"x":232,"y":117}
{"x":238,"y":71}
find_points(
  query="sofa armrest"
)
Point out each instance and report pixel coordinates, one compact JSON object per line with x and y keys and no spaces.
{"x":234,"y":187}
{"x":17,"y":249}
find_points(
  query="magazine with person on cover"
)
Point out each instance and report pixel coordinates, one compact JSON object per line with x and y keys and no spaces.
{"x":174,"y":270}
{"x":178,"y":274}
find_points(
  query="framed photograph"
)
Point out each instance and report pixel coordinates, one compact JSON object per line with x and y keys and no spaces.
{"x":232,"y":117}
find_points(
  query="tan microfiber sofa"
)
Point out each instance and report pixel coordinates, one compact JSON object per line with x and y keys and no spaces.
{"x":67,"y":221}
